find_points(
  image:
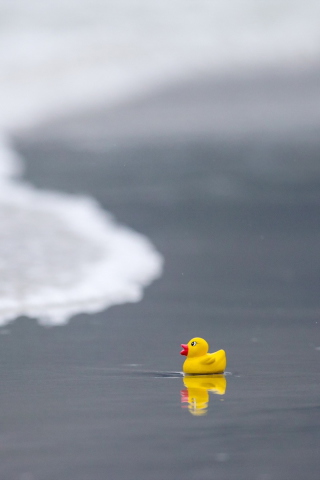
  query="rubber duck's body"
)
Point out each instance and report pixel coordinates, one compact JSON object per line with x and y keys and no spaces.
{"x":199,"y":361}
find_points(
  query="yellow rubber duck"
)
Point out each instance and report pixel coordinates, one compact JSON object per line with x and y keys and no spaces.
{"x":199,"y":361}
{"x":197,"y":391}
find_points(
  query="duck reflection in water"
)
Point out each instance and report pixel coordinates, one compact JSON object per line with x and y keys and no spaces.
{"x":197,"y":391}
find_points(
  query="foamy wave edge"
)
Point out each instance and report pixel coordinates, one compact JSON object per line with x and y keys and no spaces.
{"x":128,"y":264}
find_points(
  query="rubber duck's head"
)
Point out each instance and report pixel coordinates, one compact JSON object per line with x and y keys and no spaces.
{"x":196,"y":347}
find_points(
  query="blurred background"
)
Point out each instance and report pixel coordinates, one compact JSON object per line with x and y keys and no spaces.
{"x":59,"y":56}
{"x":235,"y":85}
{"x":195,"y":125}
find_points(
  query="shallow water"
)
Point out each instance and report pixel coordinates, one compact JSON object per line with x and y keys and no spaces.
{"x":223,"y":177}
{"x":102,"y":397}
{"x":81,"y":414}
{"x":237,"y":222}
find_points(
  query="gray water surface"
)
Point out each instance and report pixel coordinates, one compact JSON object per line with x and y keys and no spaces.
{"x":237,"y":222}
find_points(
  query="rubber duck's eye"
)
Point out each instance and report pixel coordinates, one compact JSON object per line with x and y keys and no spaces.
{"x":193,"y":344}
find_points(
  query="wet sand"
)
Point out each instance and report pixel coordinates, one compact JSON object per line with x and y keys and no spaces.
{"x":237,"y":220}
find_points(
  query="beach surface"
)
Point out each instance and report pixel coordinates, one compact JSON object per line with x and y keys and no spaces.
{"x":229,"y":195}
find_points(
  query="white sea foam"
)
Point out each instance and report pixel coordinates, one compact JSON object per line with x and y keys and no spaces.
{"x":59,"y":254}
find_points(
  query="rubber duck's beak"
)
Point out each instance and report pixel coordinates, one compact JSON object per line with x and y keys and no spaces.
{"x":184,"y":350}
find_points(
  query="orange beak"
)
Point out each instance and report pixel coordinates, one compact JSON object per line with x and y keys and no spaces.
{"x":184,"y":350}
